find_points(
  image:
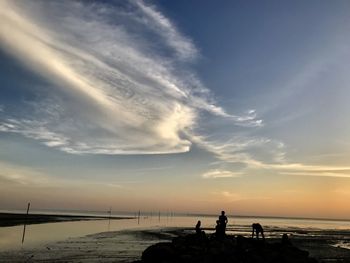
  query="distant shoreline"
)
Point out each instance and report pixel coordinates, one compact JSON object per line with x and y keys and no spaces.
{"x":270,"y":217}
{"x":14,"y":219}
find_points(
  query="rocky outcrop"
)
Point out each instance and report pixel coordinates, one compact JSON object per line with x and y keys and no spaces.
{"x":199,"y":248}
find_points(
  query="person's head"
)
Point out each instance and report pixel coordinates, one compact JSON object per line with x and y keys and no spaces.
{"x":217,"y":222}
{"x":198,"y":223}
{"x":285,"y":239}
{"x":223,"y":213}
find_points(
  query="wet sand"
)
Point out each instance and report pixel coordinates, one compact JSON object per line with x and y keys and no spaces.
{"x":14,"y":219}
{"x":118,"y":246}
{"x":128,"y":245}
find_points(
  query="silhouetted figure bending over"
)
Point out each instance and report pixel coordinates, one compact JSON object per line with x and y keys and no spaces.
{"x":257,"y":228}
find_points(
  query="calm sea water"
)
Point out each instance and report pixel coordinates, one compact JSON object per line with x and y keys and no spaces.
{"x":41,"y":234}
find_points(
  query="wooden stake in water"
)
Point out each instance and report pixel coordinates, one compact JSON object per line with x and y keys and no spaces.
{"x":159,"y":216}
{"x":138,"y":218}
{"x":25,"y":223}
{"x":109,"y":218}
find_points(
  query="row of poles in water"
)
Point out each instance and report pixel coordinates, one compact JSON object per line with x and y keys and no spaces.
{"x":151,"y":214}
{"x":137,"y":215}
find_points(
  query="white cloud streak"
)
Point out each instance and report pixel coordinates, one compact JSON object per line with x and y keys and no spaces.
{"x":183,"y":47}
{"x":241,"y":149}
{"x":124,"y":93}
{"x":245,"y":151}
{"x":217,"y":173}
{"x":320,"y":173}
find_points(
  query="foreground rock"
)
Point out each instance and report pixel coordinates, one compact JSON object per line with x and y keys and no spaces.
{"x":197,"y":248}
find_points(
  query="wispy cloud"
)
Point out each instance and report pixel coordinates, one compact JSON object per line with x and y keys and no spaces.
{"x":231,"y":196}
{"x":251,"y":151}
{"x":120,"y":77}
{"x":312,"y":170}
{"x":183,"y":47}
{"x":318,"y":174}
{"x":21,"y":175}
{"x":15,"y":175}
{"x":227,"y":196}
{"x":261,"y":154}
{"x":212,"y":174}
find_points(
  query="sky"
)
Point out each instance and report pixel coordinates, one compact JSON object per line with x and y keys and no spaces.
{"x":186,"y":106}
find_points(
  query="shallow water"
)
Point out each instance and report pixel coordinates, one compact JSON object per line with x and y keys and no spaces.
{"x":342,"y":244}
{"x":41,"y":234}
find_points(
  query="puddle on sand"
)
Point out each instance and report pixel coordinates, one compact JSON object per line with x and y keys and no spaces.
{"x":342,"y":244}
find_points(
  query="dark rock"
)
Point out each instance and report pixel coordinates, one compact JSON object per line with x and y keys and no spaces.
{"x":160,"y":252}
{"x":202,"y":249}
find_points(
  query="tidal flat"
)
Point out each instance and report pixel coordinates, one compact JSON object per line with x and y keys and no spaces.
{"x":128,"y":245}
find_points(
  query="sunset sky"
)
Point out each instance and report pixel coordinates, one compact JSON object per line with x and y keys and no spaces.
{"x":190,"y":106}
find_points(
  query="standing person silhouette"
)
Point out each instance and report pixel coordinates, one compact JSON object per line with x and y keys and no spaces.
{"x":198,"y":227}
{"x":223,"y":222}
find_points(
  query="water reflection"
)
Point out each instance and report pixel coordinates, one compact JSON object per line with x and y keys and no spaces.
{"x":41,"y":234}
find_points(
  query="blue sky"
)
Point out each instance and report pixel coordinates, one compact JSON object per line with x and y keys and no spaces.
{"x":231,"y":103}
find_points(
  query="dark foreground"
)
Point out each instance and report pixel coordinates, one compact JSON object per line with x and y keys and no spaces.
{"x":13,"y":219}
{"x":129,"y":245}
{"x":229,"y":249}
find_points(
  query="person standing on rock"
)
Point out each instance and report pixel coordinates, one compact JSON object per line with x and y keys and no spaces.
{"x":223,"y":222}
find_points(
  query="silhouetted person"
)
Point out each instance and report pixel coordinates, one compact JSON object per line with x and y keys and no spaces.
{"x":223,"y":222}
{"x":199,"y":232}
{"x":285,"y":240}
{"x":257,"y":228}
{"x":198,"y":227}
{"x":218,"y":229}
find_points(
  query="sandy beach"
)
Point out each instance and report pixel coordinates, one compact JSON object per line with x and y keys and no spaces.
{"x":79,"y":238}
{"x":120,"y":246}
{"x":128,"y":245}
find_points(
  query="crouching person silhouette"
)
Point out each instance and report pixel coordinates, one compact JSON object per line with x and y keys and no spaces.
{"x":199,"y":231}
{"x":258,"y":229}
